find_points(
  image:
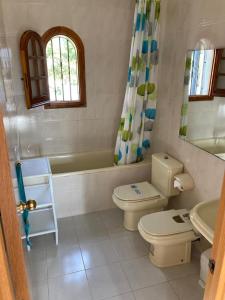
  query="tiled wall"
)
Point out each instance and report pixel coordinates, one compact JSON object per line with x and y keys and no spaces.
{"x":206,"y":119}
{"x":105,"y":28}
{"x":183,"y":24}
{"x":7,"y":100}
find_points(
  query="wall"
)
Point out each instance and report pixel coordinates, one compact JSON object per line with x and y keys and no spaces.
{"x":105,"y":28}
{"x":183,"y":24}
{"x":7,"y":100}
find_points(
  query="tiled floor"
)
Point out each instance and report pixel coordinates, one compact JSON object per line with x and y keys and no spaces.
{"x":98,"y":259}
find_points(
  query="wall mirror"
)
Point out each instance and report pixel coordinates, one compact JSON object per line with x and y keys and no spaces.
{"x":203,"y":108}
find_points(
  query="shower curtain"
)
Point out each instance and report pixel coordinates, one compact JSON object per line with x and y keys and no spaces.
{"x":139,"y":109}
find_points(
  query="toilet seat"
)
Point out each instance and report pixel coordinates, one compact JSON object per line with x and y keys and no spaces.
{"x":138,"y":200}
{"x":166,"y":223}
{"x":170,"y":234}
{"x":137,"y":192}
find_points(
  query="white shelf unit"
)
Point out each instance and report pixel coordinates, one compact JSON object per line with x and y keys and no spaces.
{"x":37,"y":177}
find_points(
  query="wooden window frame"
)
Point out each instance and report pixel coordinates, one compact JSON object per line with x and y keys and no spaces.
{"x":43,"y":97}
{"x":212,"y":83}
{"x":61,"y":30}
{"x":216,"y":91}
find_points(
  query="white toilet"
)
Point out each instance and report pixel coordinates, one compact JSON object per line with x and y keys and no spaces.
{"x":139,"y":199}
{"x":170,"y":234}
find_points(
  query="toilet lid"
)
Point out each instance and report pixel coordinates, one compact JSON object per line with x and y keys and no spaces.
{"x":166,"y":222}
{"x":137,"y":191}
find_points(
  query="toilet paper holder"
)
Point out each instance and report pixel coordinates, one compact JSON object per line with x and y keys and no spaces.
{"x":183,"y":182}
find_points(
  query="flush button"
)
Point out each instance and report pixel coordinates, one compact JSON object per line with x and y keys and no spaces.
{"x":133,"y":186}
{"x":178,"y":219}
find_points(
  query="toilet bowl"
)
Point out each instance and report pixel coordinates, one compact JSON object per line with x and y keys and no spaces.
{"x":170,"y":234}
{"x":137,"y":200}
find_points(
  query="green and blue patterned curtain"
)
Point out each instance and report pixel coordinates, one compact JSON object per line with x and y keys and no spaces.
{"x":139,"y":109}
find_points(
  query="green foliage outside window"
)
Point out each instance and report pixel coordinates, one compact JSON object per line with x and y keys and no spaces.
{"x":62,"y":68}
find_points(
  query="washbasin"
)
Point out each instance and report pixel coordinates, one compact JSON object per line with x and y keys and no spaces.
{"x":203,"y":218}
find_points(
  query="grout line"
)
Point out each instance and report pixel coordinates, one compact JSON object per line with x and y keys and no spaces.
{"x":174,"y":290}
{"x":89,"y":286}
{"x":48,"y":288}
{"x":121,"y":294}
{"x":125,"y":276}
{"x":88,"y":283}
{"x":46,"y":254}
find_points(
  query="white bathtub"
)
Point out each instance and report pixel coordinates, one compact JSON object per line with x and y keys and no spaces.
{"x":84,"y":182}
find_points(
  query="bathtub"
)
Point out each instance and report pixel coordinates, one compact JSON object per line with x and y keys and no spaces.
{"x":84,"y":182}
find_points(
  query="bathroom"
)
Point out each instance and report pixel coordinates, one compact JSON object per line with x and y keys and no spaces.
{"x":96,"y":257}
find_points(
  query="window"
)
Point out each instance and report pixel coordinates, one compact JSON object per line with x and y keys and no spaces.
{"x":206,"y":74}
{"x":53,"y":68}
{"x":202,"y":64}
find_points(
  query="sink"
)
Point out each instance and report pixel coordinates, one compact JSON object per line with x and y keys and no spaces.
{"x":203,"y":218}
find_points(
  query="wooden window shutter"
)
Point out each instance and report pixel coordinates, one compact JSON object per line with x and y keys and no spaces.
{"x":219,"y":74}
{"x":34,"y":69}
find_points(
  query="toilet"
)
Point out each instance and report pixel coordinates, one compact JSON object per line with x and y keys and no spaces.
{"x":140,"y":199}
{"x":137,"y":200}
{"x":170,"y":234}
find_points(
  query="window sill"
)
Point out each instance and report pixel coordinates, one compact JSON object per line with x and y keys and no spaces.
{"x":65,"y":104}
{"x":201,"y":98}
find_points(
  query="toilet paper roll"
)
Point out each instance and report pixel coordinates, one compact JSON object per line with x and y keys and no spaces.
{"x":183,"y":182}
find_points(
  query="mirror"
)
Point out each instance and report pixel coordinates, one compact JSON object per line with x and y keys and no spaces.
{"x":203,"y":109}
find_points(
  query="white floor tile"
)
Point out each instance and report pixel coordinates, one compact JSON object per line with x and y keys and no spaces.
{"x":112,"y":218}
{"x":141,"y":273}
{"x":161,"y":291}
{"x":182,"y":270}
{"x":107,"y":281}
{"x":116,"y":262}
{"x":69,"y":287}
{"x":42,"y":242}
{"x":37,"y":271}
{"x":127,"y":296}
{"x":91,"y":218}
{"x":67,"y":232}
{"x":99,"y":254}
{"x":188,"y":288}
{"x":90,"y":229}
{"x":40,"y":292}
{"x":36,"y":254}
{"x":119,"y":232}
{"x":64,"y":261}
{"x":130,"y":247}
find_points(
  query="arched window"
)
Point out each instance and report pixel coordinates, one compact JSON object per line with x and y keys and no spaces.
{"x":55,"y":61}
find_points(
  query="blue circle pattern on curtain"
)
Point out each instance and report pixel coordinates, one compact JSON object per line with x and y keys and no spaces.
{"x":139,"y":109}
